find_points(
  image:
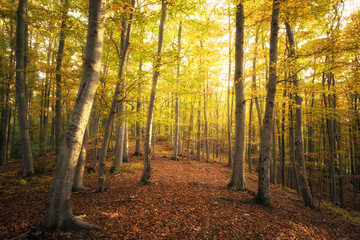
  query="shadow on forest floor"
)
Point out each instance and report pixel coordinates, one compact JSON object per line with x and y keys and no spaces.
{"x":186,"y":200}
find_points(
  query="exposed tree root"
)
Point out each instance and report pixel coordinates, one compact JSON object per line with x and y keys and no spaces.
{"x":144,"y":182}
{"x":75,"y":224}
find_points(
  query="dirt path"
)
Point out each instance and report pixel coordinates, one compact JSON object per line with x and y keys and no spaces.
{"x":186,"y":200}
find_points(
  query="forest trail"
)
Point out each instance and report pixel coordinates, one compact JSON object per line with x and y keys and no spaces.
{"x":186,"y":200}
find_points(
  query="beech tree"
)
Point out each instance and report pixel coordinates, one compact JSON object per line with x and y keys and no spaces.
{"x":58,"y":214}
{"x":21,"y":91}
{"x":238,"y":174}
{"x":117,"y":104}
{"x":299,"y":144}
{"x":59,"y":59}
{"x":263,"y":194}
{"x":145,"y":178}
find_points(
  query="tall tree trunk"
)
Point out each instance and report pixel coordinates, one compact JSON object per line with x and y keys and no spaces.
{"x":58,"y":214}
{"x":263,"y":195}
{"x":21,"y":91}
{"x":250,"y":136}
{"x":198,"y":145}
{"x":145,"y":178}
{"x":237,"y":182}
{"x":273,"y":171}
{"x":229,"y":115}
{"x":177,"y":101}
{"x":138,"y":123}
{"x":299,"y":143}
{"x":6,"y":125}
{"x":294,"y":172}
{"x":119,"y":145}
{"x":78,"y":182}
{"x":95,"y":120}
{"x":59,"y":58}
{"x":206,"y":126}
{"x":282,"y":145}
{"x":119,"y":92}
{"x":126,"y":140}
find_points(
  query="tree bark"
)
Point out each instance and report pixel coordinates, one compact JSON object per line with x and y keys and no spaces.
{"x":177,"y":100}
{"x":198,"y":134}
{"x":126,"y":140}
{"x":59,"y":59}
{"x":263,"y":195}
{"x":6,"y":116}
{"x":299,"y":143}
{"x":138,"y":123}
{"x":58,"y":214}
{"x":119,"y":145}
{"x":145,"y":178}
{"x":78,"y":183}
{"x":119,"y":92}
{"x":237,"y":182}
{"x":229,"y":115}
{"x":21,"y":91}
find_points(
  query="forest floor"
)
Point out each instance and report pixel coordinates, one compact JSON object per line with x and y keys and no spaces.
{"x":186,"y":200}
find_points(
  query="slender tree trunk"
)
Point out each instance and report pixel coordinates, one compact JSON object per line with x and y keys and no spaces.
{"x":119,"y":145}
{"x":237,"y":182}
{"x":282,"y":146}
{"x":126,"y":140}
{"x":198,"y":147}
{"x":59,"y":59}
{"x":95,"y":118}
{"x":263,"y":195}
{"x":78,"y":183}
{"x":138,"y":123}
{"x":125,"y":43}
{"x":299,"y":143}
{"x":21,"y":91}
{"x":177,"y":101}
{"x":6,"y":125}
{"x":229,"y":115}
{"x":145,"y":178}
{"x":341,"y":167}
{"x":274,"y":157}
{"x":294,"y":171}
{"x":58,"y":214}
{"x":250,"y":136}
{"x":206,"y":126}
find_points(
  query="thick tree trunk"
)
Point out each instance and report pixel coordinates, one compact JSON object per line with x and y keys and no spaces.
{"x":21,"y":92}
{"x":78,"y":183}
{"x":237,"y":182}
{"x":263,"y":195}
{"x":58,"y":215}
{"x":299,"y":143}
{"x":119,"y":92}
{"x":145,"y":178}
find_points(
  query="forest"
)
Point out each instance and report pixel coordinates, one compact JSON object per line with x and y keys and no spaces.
{"x":170,"y":119}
